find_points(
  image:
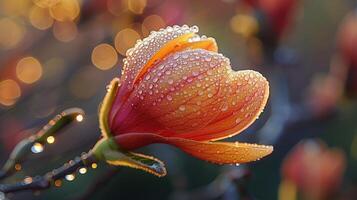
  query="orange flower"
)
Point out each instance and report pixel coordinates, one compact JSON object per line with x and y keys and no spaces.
{"x":176,"y":89}
{"x":315,"y":170}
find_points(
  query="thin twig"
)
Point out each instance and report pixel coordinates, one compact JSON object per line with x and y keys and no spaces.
{"x":45,"y":181}
{"x":23,"y":149}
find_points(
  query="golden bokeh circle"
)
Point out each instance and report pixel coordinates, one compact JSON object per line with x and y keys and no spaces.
{"x":104,"y":56}
{"x":10,"y":91}
{"x":65,"y":10}
{"x":152,"y":23}
{"x":11,"y":33}
{"x":28,"y":70}
{"x":45,"y":3}
{"x":40,"y":18}
{"x":244,"y":25}
{"x":65,"y":31}
{"x":125,"y":39}
{"x":136,"y":6}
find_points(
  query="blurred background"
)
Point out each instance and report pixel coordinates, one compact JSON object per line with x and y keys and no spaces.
{"x":56,"y":54}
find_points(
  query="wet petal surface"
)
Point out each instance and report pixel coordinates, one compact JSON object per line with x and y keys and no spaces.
{"x":193,"y":94}
{"x":215,"y":152}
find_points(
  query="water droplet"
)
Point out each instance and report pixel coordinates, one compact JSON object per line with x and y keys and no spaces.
{"x":37,"y":148}
{"x":182,"y":108}
{"x":70,"y":177}
{"x":238,"y":120}
{"x":224,"y":108}
{"x":168,"y":97}
{"x":82,"y":170}
{"x":170,"y":81}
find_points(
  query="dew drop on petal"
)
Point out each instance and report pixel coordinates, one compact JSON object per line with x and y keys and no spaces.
{"x":224,"y":108}
{"x":238,"y":120}
{"x":182,"y":108}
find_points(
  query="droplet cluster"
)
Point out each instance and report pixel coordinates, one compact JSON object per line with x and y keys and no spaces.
{"x":144,"y":49}
{"x":192,"y":93}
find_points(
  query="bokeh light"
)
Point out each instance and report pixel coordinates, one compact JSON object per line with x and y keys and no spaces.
{"x":104,"y":56}
{"x":244,"y":25}
{"x":70,"y":177}
{"x":94,"y":165}
{"x":14,"y":7}
{"x":65,"y":31}
{"x":13,"y":35}
{"x":65,"y":10}
{"x":50,"y":139}
{"x":82,"y":170}
{"x":40,"y":18}
{"x":37,"y":148}
{"x":45,"y":3}
{"x":136,"y":6}
{"x":28,"y":70}
{"x":125,"y":39}
{"x":10,"y":91}
{"x":115,"y":7}
{"x":151,"y":23}
{"x":79,"y":118}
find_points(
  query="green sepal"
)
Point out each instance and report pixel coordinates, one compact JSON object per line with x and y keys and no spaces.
{"x":107,"y":150}
{"x":106,"y":106}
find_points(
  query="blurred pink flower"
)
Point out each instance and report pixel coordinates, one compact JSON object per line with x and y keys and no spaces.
{"x":315,"y":169}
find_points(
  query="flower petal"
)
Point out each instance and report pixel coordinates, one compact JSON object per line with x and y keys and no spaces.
{"x":175,"y":96}
{"x":215,"y":152}
{"x":144,"y":50}
{"x":180,"y":43}
{"x":193,"y":94}
{"x":246,"y":94}
{"x":153,"y":48}
{"x":223,"y":152}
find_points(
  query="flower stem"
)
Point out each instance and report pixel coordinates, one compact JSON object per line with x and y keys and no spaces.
{"x":47,"y":180}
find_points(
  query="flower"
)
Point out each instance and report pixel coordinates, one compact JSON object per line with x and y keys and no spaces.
{"x":176,"y":89}
{"x":347,"y":39}
{"x":315,"y":169}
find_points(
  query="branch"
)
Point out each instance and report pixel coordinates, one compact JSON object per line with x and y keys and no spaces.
{"x":50,"y":178}
{"x":35,"y":143}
